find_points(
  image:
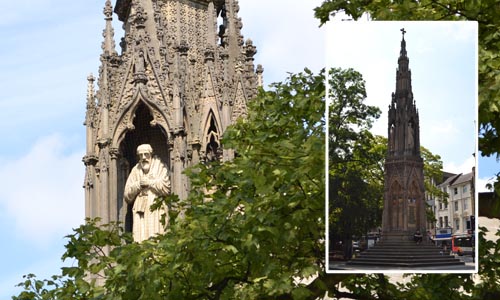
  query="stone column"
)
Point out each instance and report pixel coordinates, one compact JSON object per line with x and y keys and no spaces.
{"x":113,"y":179}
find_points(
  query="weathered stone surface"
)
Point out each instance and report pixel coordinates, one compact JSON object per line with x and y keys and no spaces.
{"x":183,"y":75}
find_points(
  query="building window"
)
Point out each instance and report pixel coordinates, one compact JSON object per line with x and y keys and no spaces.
{"x":455,"y":191}
{"x":446,"y":221}
{"x":456,"y":205}
{"x":457,"y":224}
{"x":440,"y":222}
{"x":465,"y":204}
{"x":465,"y":188}
{"x":446,"y":205}
{"x":468,"y":223}
{"x":440,"y":205}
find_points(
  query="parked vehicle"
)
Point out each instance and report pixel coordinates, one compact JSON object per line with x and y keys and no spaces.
{"x":462,"y":244}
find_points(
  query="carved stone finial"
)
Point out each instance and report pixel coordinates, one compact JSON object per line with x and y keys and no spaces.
{"x":250,"y":49}
{"x":90,"y":78}
{"x":108,"y":10}
{"x":108,"y":44}
{"x":259,"y":71}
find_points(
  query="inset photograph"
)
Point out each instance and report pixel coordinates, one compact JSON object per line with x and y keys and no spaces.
{"x":402,"y":132}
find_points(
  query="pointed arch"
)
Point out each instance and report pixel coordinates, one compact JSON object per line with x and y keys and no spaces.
{"x":144,"y":130}
{"x":125,"y":121}
{"x":396,"y":205}
{"x":211,"y":123}
{"x":211,"y":137}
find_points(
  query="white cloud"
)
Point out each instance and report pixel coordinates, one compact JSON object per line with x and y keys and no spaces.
{"x":461,"y":31}
{"x":462,"y":167}
{"x":46,"y":265}
{"x":444,"y":127}
{"x":286,"y":34}
{"x":481,"y":184}
{"x":42,"y":191}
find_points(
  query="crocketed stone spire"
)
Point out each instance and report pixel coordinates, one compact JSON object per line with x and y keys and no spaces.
{"x":404,"y":203}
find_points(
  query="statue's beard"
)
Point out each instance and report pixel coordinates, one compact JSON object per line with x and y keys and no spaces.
{"x":145,"y":165}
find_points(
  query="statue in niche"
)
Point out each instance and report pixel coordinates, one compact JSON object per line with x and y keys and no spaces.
{"x":392,"y":141}
{"x":148,"y":180}
{"x":410,"y":136}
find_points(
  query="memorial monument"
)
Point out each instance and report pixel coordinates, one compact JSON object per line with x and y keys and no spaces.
{"x":404,"y":201}
{"x":403,"y":245}
{"x":183,"y":75}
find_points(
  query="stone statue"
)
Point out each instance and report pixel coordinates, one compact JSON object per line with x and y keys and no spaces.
{"x":148,"y":180}
{"x":410,"y":136}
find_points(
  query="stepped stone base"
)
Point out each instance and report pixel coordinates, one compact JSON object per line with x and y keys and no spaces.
{"x":397,"y":236}
{"x":398,"y":252}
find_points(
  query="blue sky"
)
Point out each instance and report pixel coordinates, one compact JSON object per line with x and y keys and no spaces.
{"x":47,"y":50}
{"x":443,"y":64}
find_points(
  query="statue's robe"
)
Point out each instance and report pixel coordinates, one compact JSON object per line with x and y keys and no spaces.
{"x":146,"y":223}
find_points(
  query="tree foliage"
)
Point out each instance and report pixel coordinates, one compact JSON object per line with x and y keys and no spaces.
{"x":251,"y":228}
{"x":355,"y":193}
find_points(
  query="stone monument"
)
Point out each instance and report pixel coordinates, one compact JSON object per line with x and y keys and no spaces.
{"x":404,"y":201}
{"x":184,"y":74}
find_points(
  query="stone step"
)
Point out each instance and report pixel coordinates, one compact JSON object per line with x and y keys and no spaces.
{"x":409,"y":244}
{"x":403,"y":252}
{"x":405,"y":260}
{"x":406,"y":244}
{"x":411,"y":265}
{"x":403,"y":249}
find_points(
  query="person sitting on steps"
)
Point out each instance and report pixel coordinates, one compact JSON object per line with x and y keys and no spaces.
{"x":417,"y":237}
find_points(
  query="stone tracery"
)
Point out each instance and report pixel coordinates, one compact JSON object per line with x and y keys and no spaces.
{"x":173,"y":77}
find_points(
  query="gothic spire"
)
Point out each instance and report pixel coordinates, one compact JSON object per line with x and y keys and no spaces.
{"x":404,"y":95}
{"x":403,"y":123}
{"x":108,"y":45}
{"x":402,"y":53}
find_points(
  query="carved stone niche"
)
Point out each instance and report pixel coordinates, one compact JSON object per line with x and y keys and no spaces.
{"x":143,"y":132}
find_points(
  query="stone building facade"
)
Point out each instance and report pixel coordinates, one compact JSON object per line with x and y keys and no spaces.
{"x":183,"y":75}
{"x":404,"y":191}
{"x":433,"y":201}
{"x":456,"y":211}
